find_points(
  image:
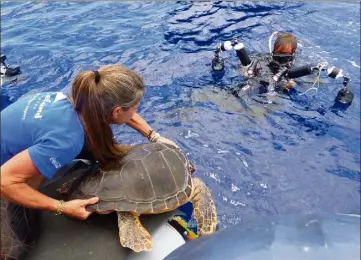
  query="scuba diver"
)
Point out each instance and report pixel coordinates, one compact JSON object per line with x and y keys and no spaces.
{"x":7,"y":73}
{"x":6,"y":70}
{"x":275,"y":72}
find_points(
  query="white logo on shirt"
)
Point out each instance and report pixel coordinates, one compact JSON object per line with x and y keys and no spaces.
{"x":59,"y":96}
{"x":41,"y":107}
{"x":54,"y":162}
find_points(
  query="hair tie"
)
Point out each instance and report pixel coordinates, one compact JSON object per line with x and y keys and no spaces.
{"x":97,"y":76}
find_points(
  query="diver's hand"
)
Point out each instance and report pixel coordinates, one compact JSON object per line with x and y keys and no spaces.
{"x":154,"y":137}
{"x":290,"y":84}
{"x":76,"y":208}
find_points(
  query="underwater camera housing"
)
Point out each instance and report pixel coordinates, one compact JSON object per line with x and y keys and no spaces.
{"x":217,"y":61}
{"x":345,"y":95}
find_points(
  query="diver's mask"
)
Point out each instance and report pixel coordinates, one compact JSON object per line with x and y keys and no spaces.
{"x":284,"y":58}
{"x":281,"y":58}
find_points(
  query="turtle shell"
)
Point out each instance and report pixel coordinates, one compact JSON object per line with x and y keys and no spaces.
{"x":152,"y":178}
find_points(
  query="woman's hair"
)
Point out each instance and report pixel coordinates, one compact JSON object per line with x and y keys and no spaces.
{"x":285,"y":44}
{"x":94,"y":95}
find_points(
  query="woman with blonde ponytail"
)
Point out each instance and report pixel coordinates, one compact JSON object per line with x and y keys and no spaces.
{"x":43,"y":132}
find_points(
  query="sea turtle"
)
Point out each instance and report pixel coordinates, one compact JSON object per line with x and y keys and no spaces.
{"x":150,"y":179}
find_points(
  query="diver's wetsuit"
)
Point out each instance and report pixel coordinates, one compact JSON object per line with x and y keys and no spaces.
{"x":263,"y":81}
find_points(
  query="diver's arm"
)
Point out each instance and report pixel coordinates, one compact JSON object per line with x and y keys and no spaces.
{"x":139,"y":124}
{"x":290,"y":84}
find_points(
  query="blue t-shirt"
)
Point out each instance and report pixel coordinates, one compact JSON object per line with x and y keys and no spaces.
{"x":47,"y":125}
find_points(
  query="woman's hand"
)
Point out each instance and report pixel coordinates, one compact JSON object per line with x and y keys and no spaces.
{"x":76,"y":208}
{"x":154,"y":137}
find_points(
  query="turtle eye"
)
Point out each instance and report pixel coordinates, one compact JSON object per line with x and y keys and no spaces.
{"x":191,"y":167}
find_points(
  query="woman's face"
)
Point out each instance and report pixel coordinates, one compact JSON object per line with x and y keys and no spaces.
{"x":122,"y":115}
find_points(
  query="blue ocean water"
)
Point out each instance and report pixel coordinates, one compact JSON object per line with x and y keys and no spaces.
{"x":290,"y":156}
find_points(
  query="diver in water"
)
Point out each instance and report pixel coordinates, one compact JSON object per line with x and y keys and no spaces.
{"x":275,"y":72}
{"x":7,"y":73}
{"x":6,"y":70}
{"x":282,"y":57}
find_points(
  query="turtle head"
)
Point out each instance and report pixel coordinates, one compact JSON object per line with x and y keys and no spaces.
{"x":191,"y":167}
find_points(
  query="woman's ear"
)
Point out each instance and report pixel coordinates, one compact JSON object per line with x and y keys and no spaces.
{"x":116,"y":114}
{"x":116,"y":111}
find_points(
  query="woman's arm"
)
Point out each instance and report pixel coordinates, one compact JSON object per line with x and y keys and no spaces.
{"x":15,"y":176}
{"x":139,"y":124}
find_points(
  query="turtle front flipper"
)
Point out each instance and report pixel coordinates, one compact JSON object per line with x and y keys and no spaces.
{"x":204,"y":210}
{"x":132,"y":234}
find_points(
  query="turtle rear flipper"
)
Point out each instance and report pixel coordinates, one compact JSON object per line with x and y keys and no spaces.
{"x":204,"y":210}
{"x":132,"y":234}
